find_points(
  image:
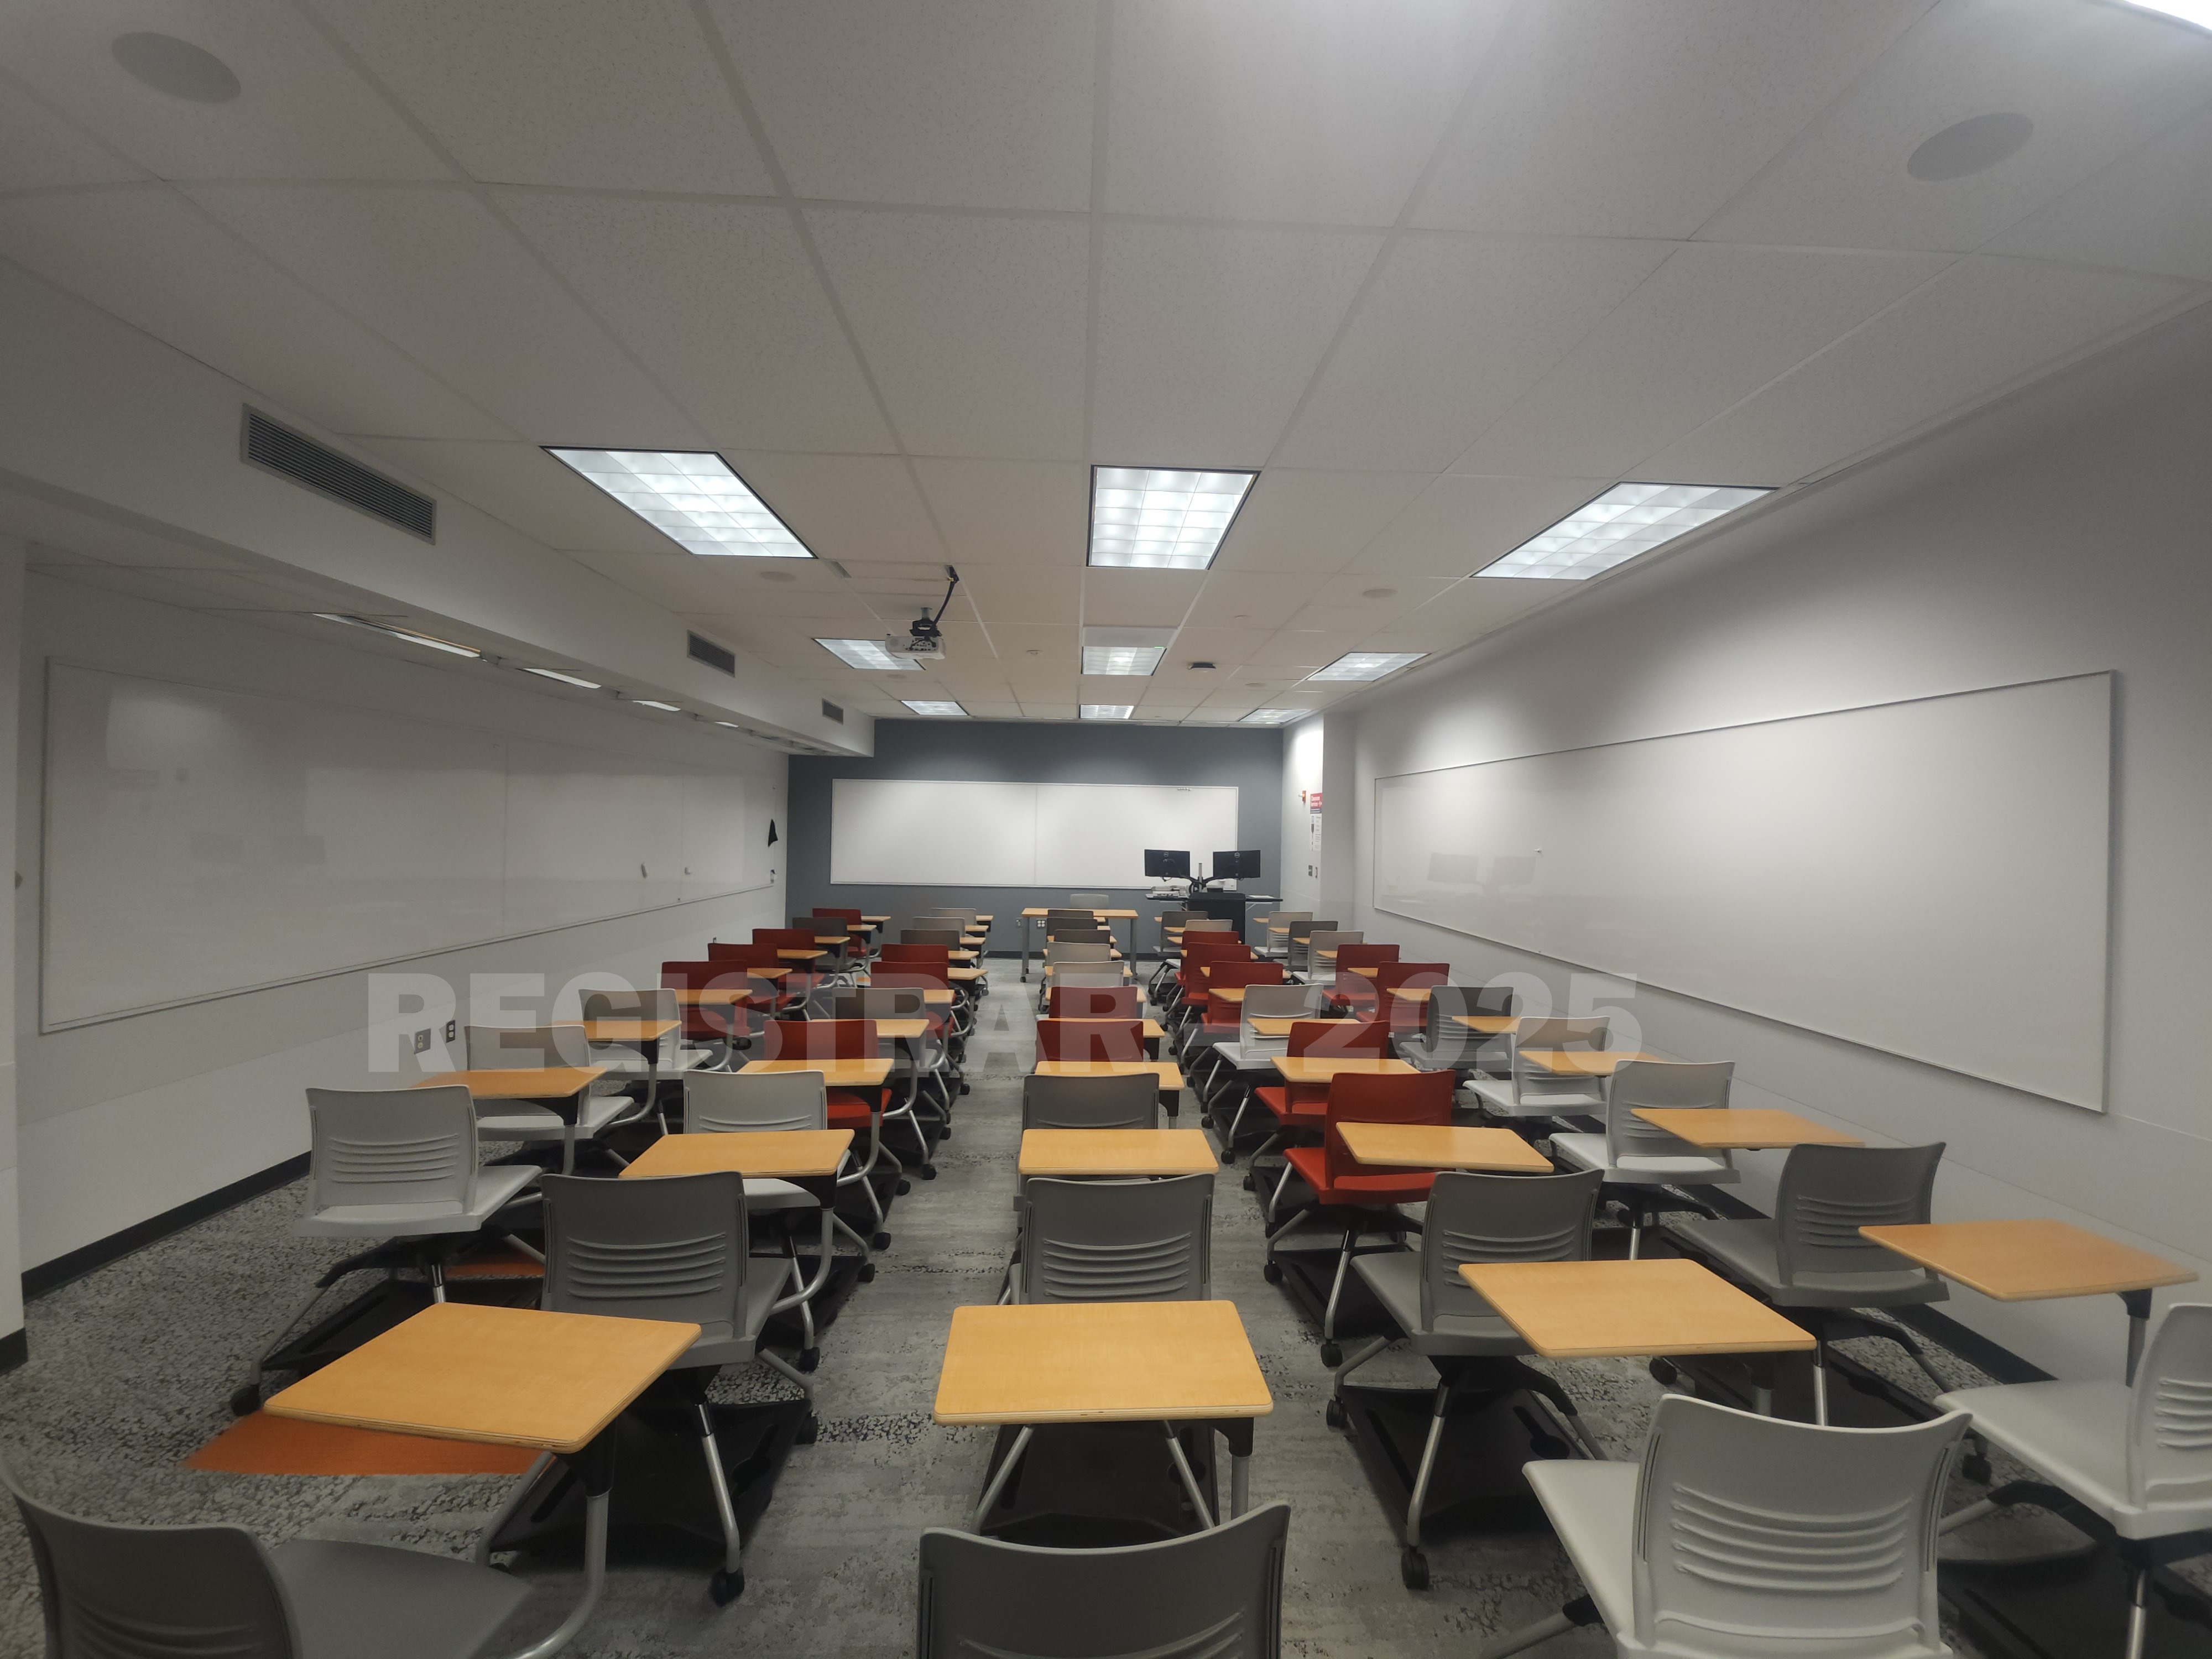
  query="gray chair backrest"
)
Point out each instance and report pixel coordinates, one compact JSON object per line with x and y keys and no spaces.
{"x":1061,"y":914}
{"x":385,"y":1146}
{"x":1117,"y":1241}
{"x":877,"y":1002}
{"x":1214,"y":1594}
{"x":1440,"y":1028}
{"x":2170,"y":1416}
{"x":963,"y":917}
{"x":1826,"y":1193}
{"x":1170,"y":918}
{"x":1283,"y":1001}
{"x":506,"y":1048}
{"x":1079,"y":936}
{"x":1474,"y":1216}
{"x":1328,"y":939}
{"x":1131,"y":1102}
{"x":948,"y":936}
{"x":127,"y":1592}
{"x":1209,"y":925}
{"x":1308,"y":925}
{"x":1079,"y":951}
{"x":648,"y":1002}
{"x":1088,"y":973}
{"x":1760,"y":1535}
{"x":667,"y":1247}
{"x":1678,"y":1085}
{"x":1095,"y":901}
{"x":718,"y":1103}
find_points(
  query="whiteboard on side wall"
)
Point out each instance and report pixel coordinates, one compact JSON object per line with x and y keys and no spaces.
{"x":201,"y":841}
{"x":931,"y":832}
{"x":1930,"y":878}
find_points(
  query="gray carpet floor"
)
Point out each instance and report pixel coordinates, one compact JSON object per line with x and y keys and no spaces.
{"x":131,"y":1367}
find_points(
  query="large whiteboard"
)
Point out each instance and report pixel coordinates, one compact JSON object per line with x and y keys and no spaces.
{"x":931,"y":832}
{"x":1929,"y":878}
{"x":201,"y":841}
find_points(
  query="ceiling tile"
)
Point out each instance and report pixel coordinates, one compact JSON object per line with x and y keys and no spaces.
{"x":720,"y":300}
{"x":434,"y":272}
{"x":1712,"y":325}
{"x":1453,"y":330}
{"x":2097,"y":81}
{"x":1010,"y":513}
{"x":302,"y":113}
{"x":677,"y":581}
{"x":520,"y":484}
{"x":973,"y":325}
{"x":1251,"y":599}
{"x":1982,"y":325}
{"x":562,"y":92}
{"x":1308,"y":111}
{"x":1139,"y":599}
{"x":1013,"y":594}
{"x":1206,"y":336}
{"x":960,"y":103}
{"x":154,"y":259}
{"x":1228,"y":647}
{"x":1314,"y":522}
{"x":1047,"y":710}
{"x":1618,"y":118}
{"x":1301,"y":649}
{"x":1465,"y":613}
{"x":40,"y":150}
{"x":2151,"y":211}
{"x":846,"y":506}
{"x":1462,"y":522}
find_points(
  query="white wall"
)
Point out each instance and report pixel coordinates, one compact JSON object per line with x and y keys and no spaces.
{"x":126,"y":1119}
{"x":11,"y":1262}
{"x":1302,"y":776}
{"x":2063,"y":534}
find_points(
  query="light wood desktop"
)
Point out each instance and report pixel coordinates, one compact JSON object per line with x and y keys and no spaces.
{"x":1441,"y":1146}
{"x":721,"y":996}
{"x":877,"y":921}
{"x":1102,"y":915}
{"x":1488,"y":1024}
{"x":902,"y":1030}
{"x":932,"y":996}
{"x":1269,"y":1025}
{"x":1169,"y":1074}
{"x":518,"y":1082}
{"x":1579,"y":1062}
{"x":800,"y":956}
{"x":1116,"y":1153}
{"x":763,"y":1154}
{"x":1747,"y":1130}
{"x":1659,"y":1306}
{"x":835,"y":1073}
{"x":1153,"y":1031}
{"x":627,"y":1030}
{"x":963,"y":975}
{"x":1316,"y":1068}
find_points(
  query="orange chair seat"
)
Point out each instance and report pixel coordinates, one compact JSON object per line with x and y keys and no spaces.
{"x":1310,"y":1163}
{"x":849,"y":1109}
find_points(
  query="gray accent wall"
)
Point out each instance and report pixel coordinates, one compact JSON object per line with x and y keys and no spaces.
{"x":1010,"y":751}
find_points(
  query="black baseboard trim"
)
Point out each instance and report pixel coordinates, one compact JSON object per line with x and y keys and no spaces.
{"x":52,"y":1275}
{"x":14,"y":1349}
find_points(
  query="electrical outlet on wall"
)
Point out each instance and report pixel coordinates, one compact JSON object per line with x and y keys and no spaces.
{"x":422,"y":1041}
{"x":452,"y":1030}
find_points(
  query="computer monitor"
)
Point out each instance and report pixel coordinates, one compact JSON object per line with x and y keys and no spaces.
{"x":1240,"y":866}
{"x":1159,"y":862}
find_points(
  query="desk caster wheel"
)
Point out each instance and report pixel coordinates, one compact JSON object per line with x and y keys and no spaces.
{"x":1332,"y":1355}
{"x":867,"y":1273}
{"x":1664,"y":1374}
{"x":1248,"y":1187}
{"x":1976,"y":1469}
{"x":246,"y":1399}
{"x":945,"y":1132}
{"x":1333,"y":1413}
{"x":903,"y":1187}
{"x":880,"y":1241}
{"x":1413,"y":1568}
{"x":964,"y":1087}
{"x":1273,"y":1272}
{"x":726,"y":1586}
{"x":810,"y":1358}
{"x":1228,"y":1155}
{"x":928,"y":1172}
{"x":809,"y":1432}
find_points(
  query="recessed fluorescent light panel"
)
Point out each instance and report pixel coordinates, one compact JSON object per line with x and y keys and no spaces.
{"x":1121,"y":659}
{"x":939,"y":710}
{"x":1274,"y":716}
{"x":647,"y":703}
{"x":870,"y":654}
{"x":397,"y":634}
{"x":2198,"y":12}
{"x":690,"y":497}
{"x":1108,"y":711}
{"x":565,"y":679}
{"x":1628,"y":520}
{"x":1157,"y":519}
{"x":1367,"y":665}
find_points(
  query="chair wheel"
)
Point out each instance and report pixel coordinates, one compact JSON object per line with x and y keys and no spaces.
{"x":1663,"y":1373}
{"x":726,"y":1586}
{"x":964,"y":1087}
{"x":1413,"y":1568}
{"x":903,"y":1187}
{"x":1248,"y":1187}
{"x":1332,"y":1355}
{"x":1333,"y":1413}
{"x":246,"y":1399}
{"x":879,"y":1242}
{"x":945,"y":1132}
{"x":1228,"y":1155}
{"x":809,"y":1359}
{"x":809,"y":1432}
{"x":867,"y":1273}
{"x":928,"y":1172}
{"x":1273,"y":1272}
{"x":1976,"y":1469}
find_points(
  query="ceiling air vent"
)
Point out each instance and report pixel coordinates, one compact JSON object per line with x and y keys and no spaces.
{"x":714,"y":656}
{"x":831,"y":712}
{"x":280,"y":450}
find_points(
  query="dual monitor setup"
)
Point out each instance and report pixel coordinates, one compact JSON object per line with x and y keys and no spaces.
{"x":1162,"y":864}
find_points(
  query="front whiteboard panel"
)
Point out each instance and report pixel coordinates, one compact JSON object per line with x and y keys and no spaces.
{"x":200,"y":842}
{"x":930,"y":832}
{"x":1930,"y":878}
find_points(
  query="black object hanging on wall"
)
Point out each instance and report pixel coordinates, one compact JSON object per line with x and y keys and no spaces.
{"x":771,"y":832}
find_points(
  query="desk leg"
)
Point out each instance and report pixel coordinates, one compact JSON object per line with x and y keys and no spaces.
{"x":2137,"y":1302}
{"x":1761,"y":1367}
{"x":1025,"y":950}
{"x":1205,"y":1514}
{"x":1238,"y":1433}
{"x":999,"y":1477}
{"x":595,"y":1467}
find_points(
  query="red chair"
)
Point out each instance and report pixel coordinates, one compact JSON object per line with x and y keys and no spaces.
{"x":1356,"y":1193}
{"x":780,"y":988}
{"x":1090,"y":1039}
{"x":1300,"y":1108}
{"x":938,"y":956}
{"x":1189,"y":982}
{"x":1371,"y":999}
{"x":1349,"y":956}
{"x":1093,"y":1002}
{"x":1221,"y":973}
{"x":722,"y":1026}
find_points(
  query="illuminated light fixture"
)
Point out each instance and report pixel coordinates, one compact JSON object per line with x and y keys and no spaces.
{"x":1157,"y":519}
{"x":647,"y":703}
{"x":692,"y":497}
{"x":1273,"y":716}
{"x":937,"y":707}
{"x":2198,"y":12}
{"x":1628,"y":520}
{"x":1108,"y":711}
{"x":1367,"y":665}
{"x":399,"y":634}
{"x":1121,"y":659}
{"x":733,"y":725}
{"x":565,"y":679}
{"x":871,"y":655}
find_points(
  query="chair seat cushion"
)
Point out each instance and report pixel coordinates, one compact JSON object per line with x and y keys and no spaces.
{"x":767,"y":1278}
{"x":1274,"y":1098}
{"x":497,"y":1185}
{"x":1395,"y":1279}
{"x":1588,"y":1151}
{"x":1746,"y":1249}
{"x":1592,"y":1507}
{"x":372,"y":1601}
{"x":851,"y":1109}
{"x":1311,"y":1163}
{"x":765,"y":1192}
{"x":2076,"y":1433}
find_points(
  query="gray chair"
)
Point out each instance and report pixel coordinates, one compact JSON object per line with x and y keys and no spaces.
{"x":650,"y":1066}
{"x":1317,"y":970}
{"x":1739,"y":1536}
{"x":1059,"y":951}
{"x":2137,"y":1456}
{"x":499,"y":1047}
{"x":675,"y":1247}
{"x":948,"y":936}
{"x":1090,"y":1103}
{"x":1251,"y":1056}
{"x":1299,"y":952}
{"x":1444,"y":1045}
{"x":1471,"y":1217}
{"x":1115,"y":1241}
{"x":113,"y":1591}
{"x":1278,"y":948}
{"x":1810,"y":1258}
{"x":1641,"y":1159}
{"x":1214,"y":1595}
{"x":1526,"y":1090}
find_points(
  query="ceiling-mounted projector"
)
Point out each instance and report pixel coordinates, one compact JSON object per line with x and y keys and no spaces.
{"x":922,"y":638}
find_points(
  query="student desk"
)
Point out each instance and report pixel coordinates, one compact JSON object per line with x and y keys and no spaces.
{"x":2031,"y":1261}
{"x":1581,"y":1062}
{"x":763,"y":1154}
{"x":1660,"y":1305}
{"x":1152,"y":1033}
{"x":1116,"y":1153}
{"x":1106,"y":1362}
{"x":876,"y":921}
{"x":627,"y":1030}
{"x":511,"y":1376}
{"x":1718,"y":1129}
{"x":559,"y":1089}
{"x":932,"y":996}
{"x":1436,"y":1146}
{"x":1169,"y":1074}
{"x":1318,"y":1068}
{"x":795,"y":955}
{"x":835,"y":1073}
{"x":1036,"y":916}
